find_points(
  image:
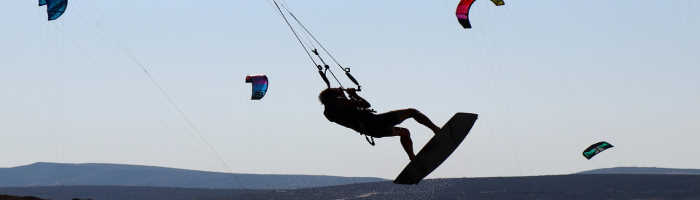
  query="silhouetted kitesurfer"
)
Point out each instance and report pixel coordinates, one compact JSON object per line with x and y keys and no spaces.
{"x":355,"y":113}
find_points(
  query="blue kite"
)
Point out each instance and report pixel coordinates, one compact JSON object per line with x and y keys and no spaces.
{"x":54,"y":8}
{"x":259,"y":86}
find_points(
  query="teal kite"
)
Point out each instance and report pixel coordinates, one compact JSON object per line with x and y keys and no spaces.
{"x":54,"y":8}
{"x":595,"y":149}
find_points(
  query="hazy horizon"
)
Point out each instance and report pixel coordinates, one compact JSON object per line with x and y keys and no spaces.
{"x":547,"y":79}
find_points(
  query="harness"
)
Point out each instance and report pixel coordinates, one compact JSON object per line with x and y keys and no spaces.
{"x":363,"y":129}
{"x":370,"y":140}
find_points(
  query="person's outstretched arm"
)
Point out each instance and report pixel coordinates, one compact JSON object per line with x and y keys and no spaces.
{"x":359,"y":101}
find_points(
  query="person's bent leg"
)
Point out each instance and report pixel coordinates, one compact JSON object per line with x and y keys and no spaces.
{"x":418,"y":116}
{"x":405,"y":141}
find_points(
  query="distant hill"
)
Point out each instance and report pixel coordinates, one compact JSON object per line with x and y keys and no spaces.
{"x":55,"y":174}
{"x":577,"y":186}
{"x":8,"y":197}
{"x":642,"y":170}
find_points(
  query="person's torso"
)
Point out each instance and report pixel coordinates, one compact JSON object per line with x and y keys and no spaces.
{"x":347,"y":115}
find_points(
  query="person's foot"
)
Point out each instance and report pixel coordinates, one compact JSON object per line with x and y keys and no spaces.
{"x":411,"y":157}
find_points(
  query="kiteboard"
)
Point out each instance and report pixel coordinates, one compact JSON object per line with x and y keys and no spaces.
{"x":437,"y":149}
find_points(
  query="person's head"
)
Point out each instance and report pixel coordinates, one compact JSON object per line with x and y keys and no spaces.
{"x":328,"y":95}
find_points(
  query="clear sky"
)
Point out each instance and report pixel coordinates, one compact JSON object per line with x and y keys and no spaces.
{"x":548,"y":78}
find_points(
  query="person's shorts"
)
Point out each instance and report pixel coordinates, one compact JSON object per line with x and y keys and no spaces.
{"x":382,"y":125}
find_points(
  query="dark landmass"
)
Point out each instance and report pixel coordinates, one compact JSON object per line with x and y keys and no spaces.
{"x":576,"y":186}
{"x":642,"y":170}
{"x":55,"y":174}
{"x":8,"y":197}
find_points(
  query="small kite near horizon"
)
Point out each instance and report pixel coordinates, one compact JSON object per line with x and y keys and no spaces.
{"x":595,"y":149}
